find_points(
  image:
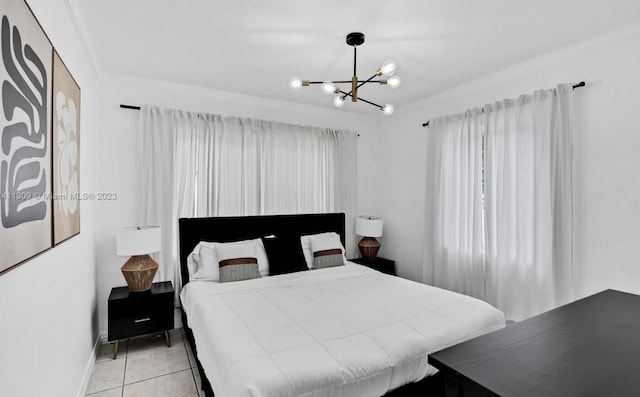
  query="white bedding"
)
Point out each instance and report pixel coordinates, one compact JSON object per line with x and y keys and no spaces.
{"x":341,"y":331}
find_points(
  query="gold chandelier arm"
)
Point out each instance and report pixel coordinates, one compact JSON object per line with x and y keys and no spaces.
{"x":334,"y":82}
{"x":369,"y":80}
{"x":370,"y":103}
{"x":361,"y":82}
{"x":346,"y":94}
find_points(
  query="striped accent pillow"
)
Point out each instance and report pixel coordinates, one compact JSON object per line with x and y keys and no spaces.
{"x":327,"y":258}
{"x":238,"y":269}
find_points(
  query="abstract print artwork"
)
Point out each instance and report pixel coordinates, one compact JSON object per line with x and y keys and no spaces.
{"x":66,"y":146}
{"x":25,"y":136}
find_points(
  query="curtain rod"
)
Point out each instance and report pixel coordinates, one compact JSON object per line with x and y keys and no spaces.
{"x":138,"y":108}
{"x":580,"y":84}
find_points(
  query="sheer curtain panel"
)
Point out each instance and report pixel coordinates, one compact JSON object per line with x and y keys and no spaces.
{"x":454,"y":235}
{"x":209,"y":165}
{"x":529,"y":202}
{"x":159,"y":204}
{"x":499,"y":208}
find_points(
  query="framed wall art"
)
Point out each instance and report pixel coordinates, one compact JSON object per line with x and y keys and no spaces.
{"x":25,"y":136}
{"x":66,"y":153}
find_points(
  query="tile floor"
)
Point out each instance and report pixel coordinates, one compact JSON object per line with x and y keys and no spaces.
{"x":146,"y":367}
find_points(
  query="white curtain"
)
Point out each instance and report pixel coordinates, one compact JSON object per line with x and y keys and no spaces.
{"x":251,"y":167}
{"x":499,"y":215}
{"x":529,"y":202}
{"x":454,"y":244}
{"x":159,"y":204}
{"x":209,"y":165}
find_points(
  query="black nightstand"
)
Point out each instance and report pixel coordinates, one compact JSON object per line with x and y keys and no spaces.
{"x":138,"y":313}
{"x":381,"y":264}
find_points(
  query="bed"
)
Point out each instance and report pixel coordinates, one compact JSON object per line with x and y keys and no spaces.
{"x":338,"y":331}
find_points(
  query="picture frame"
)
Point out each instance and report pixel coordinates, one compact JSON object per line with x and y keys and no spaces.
{"x":25,"y":136}
{"x":66,"y":153}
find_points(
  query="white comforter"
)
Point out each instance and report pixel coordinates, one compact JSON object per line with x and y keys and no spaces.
{"x":342,"y":331}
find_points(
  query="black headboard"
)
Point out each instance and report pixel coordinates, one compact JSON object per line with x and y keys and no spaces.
{"x":236,"y":228}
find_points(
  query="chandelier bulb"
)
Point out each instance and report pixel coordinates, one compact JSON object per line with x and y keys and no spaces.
{"x":328,"y":88}
{"x":388,"y":68}
{"x":295,"y":83}
{"x":394,"y":81}
{"x":387,"y":109}
{"x":338,"y":101}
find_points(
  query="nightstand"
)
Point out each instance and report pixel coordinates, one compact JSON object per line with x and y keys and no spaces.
{"x":381,"y":264}
{"x":138,"y":313}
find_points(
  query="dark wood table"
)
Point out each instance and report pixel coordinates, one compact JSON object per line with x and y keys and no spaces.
{"x":380,"y":264}
{"x":588,"y":348}
{"x":137,"y":313}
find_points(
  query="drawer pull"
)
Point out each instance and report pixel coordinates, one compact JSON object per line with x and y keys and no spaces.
{"x":142,"y":320}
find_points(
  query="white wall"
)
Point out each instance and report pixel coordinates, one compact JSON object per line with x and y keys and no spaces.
{"x":607,"y":199}
{"x":119,"y":148}
{"x":48,"y":305}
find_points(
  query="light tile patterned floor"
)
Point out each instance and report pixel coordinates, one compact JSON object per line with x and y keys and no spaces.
{"x":146,"y":367}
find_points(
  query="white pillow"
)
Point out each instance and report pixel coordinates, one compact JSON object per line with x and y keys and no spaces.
{"x":192,"y":262}
{"x":207,"y":268}
{"x":207,"y":257}
{"x":327,"y":243}
{"x":234,"y":250}
{"x":320,"y":239}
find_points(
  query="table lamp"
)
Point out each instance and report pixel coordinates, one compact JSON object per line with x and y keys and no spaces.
{"x":138,"y":242}
{"x":369,"y":227}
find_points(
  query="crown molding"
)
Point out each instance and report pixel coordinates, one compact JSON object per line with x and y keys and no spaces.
{"x":77,"y":16}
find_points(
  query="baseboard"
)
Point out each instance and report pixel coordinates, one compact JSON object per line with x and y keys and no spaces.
{"x":89,"y":368}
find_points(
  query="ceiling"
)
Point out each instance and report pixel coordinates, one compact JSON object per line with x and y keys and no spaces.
{"x":254,"y":47}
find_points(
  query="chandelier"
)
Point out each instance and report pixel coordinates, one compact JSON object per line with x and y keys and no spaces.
{"x":387,"y":70}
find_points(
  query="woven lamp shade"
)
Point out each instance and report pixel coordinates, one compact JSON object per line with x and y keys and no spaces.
{"x":138,"y":242}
